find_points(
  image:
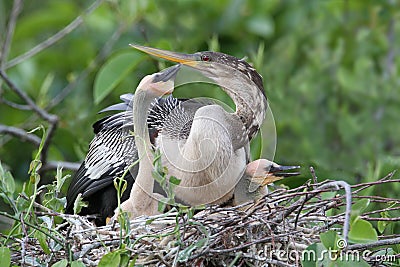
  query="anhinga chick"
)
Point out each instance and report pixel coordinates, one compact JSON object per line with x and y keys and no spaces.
{"x":142,"y":200}
{"x":257,"y":176}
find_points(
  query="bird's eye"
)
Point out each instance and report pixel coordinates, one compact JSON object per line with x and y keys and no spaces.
{"x":205,"y":58}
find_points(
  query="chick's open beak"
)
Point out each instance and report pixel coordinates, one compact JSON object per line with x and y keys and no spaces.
{"x":281,"y":171}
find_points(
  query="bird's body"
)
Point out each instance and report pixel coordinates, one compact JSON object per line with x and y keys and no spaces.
{"x":213,"y":158}
{"x":208,"y":167}
{"x":111,"y":152}
{"x":203,"y":145}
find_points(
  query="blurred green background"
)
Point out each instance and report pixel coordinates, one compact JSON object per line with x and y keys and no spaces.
{"x":331,"y":73}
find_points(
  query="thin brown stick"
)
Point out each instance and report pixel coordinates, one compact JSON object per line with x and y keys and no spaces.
{"x":42,"y":113}
{"x":21,"y":134}
{"x":66,"y":165}
{"x":54,"y":38}
{"x":374,"y":244}
{"x":16,"y":10}
{"x":14,"y":105}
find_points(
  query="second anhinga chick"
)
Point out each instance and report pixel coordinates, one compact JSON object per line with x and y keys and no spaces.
{"x":259,"y":174}
{"x":142,"y":200}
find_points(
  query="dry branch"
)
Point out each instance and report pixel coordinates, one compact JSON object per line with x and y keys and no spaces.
{"x":54,"y":38}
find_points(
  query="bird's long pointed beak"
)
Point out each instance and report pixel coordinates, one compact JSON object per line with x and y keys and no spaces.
{"x":276,"y":173}
{"x":186,"y":59}
{"x":167,"y":74}
{"x":281,"y":171}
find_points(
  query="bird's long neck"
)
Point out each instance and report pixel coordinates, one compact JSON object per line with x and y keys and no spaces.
{"x":251,"y":105}
{"x":246,"y":190}
{"x":142,"y":102}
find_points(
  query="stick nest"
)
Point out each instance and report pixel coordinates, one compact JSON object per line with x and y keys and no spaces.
{"x":285,"y":220}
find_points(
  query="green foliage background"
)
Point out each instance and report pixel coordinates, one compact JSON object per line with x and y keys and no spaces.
{"x":331,"y":71}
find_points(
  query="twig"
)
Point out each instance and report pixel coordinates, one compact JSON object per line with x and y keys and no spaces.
{"x":104,"y":52}
{"x":15,"y":105}
{"x":281,"y":237}
{"x":54,"y":38}
{"x":21,"y":134}
{"x":24,"y":240}
{"x":315,"y":179}
{"x":381,"y":210}
{"x":52,"y":119}
{"x":300,"y":209}
{"x":161,"y":258}
{"x":386,"y":179}
{"x":380,"y":199}
{"x":47,"y":140}
{"x":396,"y":219}
{"x":36,"y":228}
{"x":313,"y":175}
{"x":53,"y":165}
{"x":374,"y":244}
{"x":16,"y":9}
{"x":347,"y":190}
{"x":42,"y":113}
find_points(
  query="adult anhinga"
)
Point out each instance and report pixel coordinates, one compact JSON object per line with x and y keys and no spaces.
{"x":201,"y":144}
{"x":212,"y":156}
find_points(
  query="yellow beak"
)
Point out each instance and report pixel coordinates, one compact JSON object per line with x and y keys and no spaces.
{"x":185,"y":59}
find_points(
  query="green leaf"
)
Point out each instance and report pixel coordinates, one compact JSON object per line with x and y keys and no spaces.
{"x":111,"y":259}
{"x":42,"y":241}
{"x":161,"y":206}
{"x":362,"y":231}
{"x":158,"y":177}
{"x":387,"y":251}
{"x":61,"y":263}
{"x":124,"y":259}
{"x":7,"y":183}
{"x":114,"y":71}
{"x":77,"y":263}
{"x":174,"y":180}
{"x":261,"y":25}
{"x":358,"y":208}
{"x":133,"y":261}
{"x":60,"y":179}
{"x":397,"y":248}
{"x":328,"y":239}
{"x":5,"y":256}
{"x":79,"y":204}
{"x":360,"y":205}
{"x":383,"y":224}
